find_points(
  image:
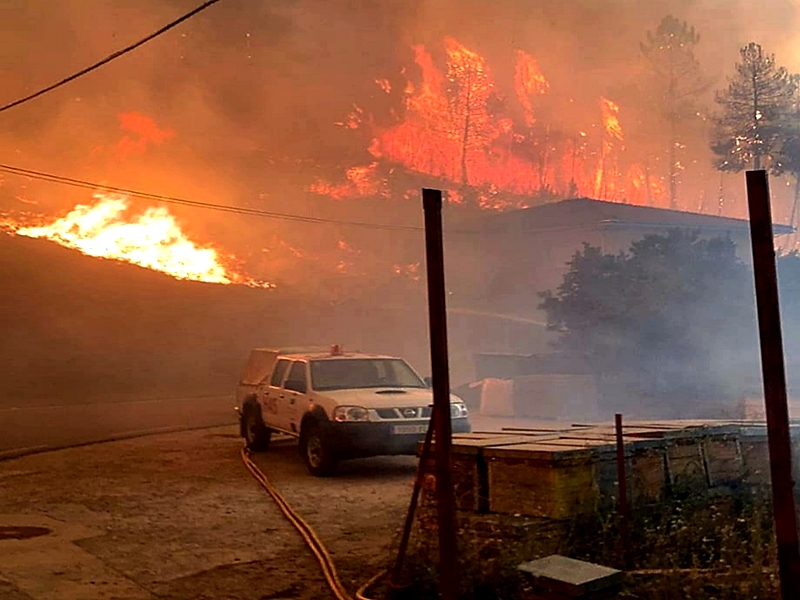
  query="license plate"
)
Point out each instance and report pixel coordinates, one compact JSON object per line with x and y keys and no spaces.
{"x":408,"y":429}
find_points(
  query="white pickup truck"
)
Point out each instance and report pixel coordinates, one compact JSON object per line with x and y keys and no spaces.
{"x":339,"y":404}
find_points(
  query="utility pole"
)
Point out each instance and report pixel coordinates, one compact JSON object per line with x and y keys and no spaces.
{"x":445,"y":497}
{"x":772,"y":367}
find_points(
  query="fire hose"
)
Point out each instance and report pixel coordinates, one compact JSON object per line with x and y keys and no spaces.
{"x":309,"y":536}
{"x":318,"y":548}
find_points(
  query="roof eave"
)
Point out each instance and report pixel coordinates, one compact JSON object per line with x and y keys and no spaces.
{"x":743,"y":227}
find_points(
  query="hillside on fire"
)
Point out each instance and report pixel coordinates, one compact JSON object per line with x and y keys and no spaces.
{"x":268,"y":164}
{"x":99,"y":328}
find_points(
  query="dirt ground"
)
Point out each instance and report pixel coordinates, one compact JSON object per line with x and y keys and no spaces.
{"x":178,"y":516}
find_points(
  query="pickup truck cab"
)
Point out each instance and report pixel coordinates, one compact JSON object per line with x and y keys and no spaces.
{"x":339,"y":405}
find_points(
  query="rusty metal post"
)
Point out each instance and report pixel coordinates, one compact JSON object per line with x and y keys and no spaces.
{"x":445,"y":497}
{"x":397,"y":571}
{"x":772,"y":368}
{"x":622,"y":493}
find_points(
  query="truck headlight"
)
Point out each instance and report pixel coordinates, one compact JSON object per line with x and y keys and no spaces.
{"x":458,"y":410}
{"x":343,"y":414}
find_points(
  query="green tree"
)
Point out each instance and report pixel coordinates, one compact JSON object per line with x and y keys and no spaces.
{"x":672,"y":316}
{"x":677,"y":82}
{"x":752,"y":123}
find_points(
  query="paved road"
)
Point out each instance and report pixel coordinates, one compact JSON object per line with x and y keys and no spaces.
{"x":31,"y":428}
{"x":178,"y":516}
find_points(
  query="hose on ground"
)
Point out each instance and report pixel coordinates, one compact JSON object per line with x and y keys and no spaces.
{"x":309,"y":536}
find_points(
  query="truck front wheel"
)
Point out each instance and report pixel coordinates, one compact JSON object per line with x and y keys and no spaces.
{"x":256,"y":434}
{"x":317,"y":454}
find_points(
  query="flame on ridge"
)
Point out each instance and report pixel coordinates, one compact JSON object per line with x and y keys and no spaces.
{"x":153,"y":240}
{"x":456,"y":125}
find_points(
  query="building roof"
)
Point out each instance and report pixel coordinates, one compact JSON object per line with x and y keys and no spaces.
{"x":585,"y":213}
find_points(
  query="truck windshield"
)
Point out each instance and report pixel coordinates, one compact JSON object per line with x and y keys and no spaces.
{"x":356,"y":373}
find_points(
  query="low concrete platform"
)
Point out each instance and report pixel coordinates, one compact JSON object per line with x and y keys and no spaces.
{"x":558,"y":577}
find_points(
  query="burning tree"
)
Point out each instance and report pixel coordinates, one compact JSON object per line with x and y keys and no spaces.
{"x":528,"y":83}
{"x":678,"y":81}
{"x":753,"y":123}
{"x":469,"y":90}
{"x":607,"y":171}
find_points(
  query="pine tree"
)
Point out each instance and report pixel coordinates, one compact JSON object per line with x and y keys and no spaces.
{"x":751,"y":126}
{"x":669,"y":51}
{"x":787,"y":159}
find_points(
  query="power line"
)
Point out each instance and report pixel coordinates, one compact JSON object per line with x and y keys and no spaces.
{"x":241,"y":210}
{"x":110,"y":57}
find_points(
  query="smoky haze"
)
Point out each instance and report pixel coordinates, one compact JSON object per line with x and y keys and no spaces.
{"x":245,"y":99}
{"x":252,"y":90}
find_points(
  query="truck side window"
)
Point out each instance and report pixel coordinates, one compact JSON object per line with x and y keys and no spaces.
{"x":277,"y":374}
{"x":296,"y":381}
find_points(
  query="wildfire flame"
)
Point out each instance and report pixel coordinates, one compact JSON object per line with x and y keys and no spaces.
{"x":528,"y":81}
{"x":360,"y":181}
{"x":455,"y":126}
{"x":610,"y":112}
{"x":142,"y":131}
{"x":139,"y":134}
{"x":153,"y":240}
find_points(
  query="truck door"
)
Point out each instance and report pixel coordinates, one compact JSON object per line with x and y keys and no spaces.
{"x":295,"y":389}
{"x":273,"y":395}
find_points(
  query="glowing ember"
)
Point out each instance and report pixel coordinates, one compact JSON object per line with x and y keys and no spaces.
{"x":409,"y":271}
{"x":354,"y":118}
{"x":385,"y":85}
{"x":345,"y":247}
{"x":152,"y":240}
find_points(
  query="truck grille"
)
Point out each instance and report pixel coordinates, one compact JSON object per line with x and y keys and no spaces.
{"x":419,"y":412}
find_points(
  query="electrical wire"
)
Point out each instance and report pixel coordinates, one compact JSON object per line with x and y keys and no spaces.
{"x":110,"y":57}
{"x":241,"y":210}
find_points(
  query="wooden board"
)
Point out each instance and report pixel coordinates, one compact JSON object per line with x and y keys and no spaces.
{"x":755,"y":460}
{"x":540,"y":489}
{"x":647,"y":474}
{"x":546,"y":451}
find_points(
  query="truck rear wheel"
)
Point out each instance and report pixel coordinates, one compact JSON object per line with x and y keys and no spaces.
{"x":256,"y":434}
{"x":317,"y":454}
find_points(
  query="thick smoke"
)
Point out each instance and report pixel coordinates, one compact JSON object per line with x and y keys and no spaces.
{"x":253,"y":89}
{"x":253,"y":92}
